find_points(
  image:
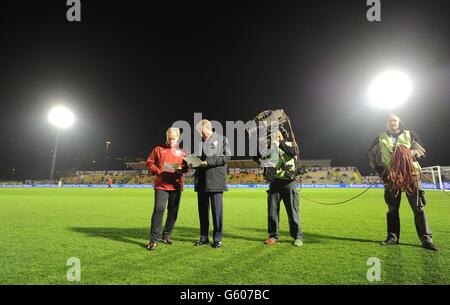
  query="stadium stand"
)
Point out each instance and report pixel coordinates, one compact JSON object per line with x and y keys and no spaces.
{"x":248,"y":172}
{"x":239,"y":172}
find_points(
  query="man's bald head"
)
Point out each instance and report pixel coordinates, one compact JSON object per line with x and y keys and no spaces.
{"x":393,"y":123}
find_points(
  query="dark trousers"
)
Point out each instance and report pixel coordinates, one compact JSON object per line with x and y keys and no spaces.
{"x":161,"y":199}
{"x":393,"y":218}
{"x":216,"y":201}
{"x":291,"y":200}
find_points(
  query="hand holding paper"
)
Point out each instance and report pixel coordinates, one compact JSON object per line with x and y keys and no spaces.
{"x":193,"y":160}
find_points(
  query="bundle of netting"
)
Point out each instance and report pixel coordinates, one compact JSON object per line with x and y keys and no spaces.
{"x":402,"y":173}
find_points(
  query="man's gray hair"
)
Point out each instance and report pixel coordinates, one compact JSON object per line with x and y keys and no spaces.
{"x":203,"y":124}
{"x":393,"y":116}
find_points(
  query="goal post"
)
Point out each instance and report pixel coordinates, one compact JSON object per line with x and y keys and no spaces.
{"x":437,"y":175}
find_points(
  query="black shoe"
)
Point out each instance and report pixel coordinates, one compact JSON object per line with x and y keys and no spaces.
{"x":151,"y":246}
{"x":216,"y":244}
{"x":389,"y":242}
{"x":201,"y":242}
{"x":430,"y":246}
{"x":167,"y":239}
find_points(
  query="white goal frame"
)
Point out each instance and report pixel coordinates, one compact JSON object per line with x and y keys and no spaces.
{"x":436,"y":171}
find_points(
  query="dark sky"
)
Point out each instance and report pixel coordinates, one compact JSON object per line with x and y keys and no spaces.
{"x":129,"y":70}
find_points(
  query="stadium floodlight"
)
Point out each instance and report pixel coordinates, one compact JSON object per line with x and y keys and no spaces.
{"x":106,"y":155}
{"x":62,"y":118}
{"x":389,"y":89}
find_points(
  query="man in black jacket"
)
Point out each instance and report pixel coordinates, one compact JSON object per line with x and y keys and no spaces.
{"x":210,"y":182}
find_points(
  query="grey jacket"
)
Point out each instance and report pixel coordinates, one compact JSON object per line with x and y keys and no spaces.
{"x":216,"y":151}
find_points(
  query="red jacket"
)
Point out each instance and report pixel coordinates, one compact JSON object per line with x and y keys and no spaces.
{"x":166,"y":180}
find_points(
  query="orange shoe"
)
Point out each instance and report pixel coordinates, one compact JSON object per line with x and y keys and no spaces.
{"x":270,"y":241}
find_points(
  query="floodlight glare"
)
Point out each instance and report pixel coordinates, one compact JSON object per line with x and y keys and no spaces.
{"x":390,"y":89}
{"x":61,"y":117}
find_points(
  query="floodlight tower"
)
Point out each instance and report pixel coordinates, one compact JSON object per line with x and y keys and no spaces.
{"x":390,"y":89}
{"x":62,"y":118}
{"x":106,"y":155}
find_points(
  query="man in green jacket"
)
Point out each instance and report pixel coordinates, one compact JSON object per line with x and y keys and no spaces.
{"x":283,"y":187}
{"x":380,"y":156}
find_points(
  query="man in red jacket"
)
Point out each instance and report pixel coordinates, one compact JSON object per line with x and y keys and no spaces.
{"x":109,"y":181}
{"x":166,"y":162}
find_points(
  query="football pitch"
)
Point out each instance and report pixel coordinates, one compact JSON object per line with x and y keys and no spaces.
{"x":107,"y":230}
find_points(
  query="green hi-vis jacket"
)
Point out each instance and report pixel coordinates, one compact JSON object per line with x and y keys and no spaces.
{"x":283,"y":161}
{"x":388,"y":144}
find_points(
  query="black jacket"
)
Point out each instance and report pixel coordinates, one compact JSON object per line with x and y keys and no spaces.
{"x":216,"y":152}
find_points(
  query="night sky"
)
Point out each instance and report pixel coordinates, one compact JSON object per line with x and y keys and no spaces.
{"x":129,"y":70}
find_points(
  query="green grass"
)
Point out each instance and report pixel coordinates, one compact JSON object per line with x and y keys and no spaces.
{"x":107,"y":230}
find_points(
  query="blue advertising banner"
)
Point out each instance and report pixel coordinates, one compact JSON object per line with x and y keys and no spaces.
{"x":427,"y":186}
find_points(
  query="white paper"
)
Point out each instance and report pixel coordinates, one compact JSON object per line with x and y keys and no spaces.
{"x":193,"y":160}
{"x":171,"y":167}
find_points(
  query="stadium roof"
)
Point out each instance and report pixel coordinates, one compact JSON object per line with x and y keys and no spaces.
{"x":137,"y":165}
{"x":231,"y":164}
{"x":316,"y":162}
{"x":243,"y":164}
